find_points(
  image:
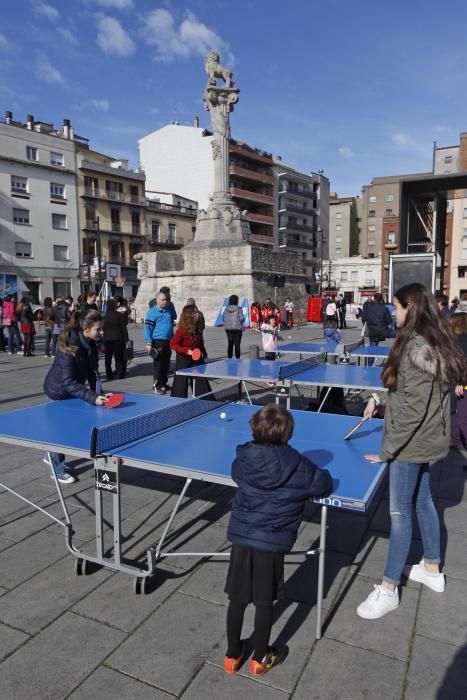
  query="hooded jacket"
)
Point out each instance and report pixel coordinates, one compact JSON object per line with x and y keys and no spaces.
{"x":416,"y":422}
{"x":378,"y":319}
{"x":233,"y":318}
{"x":75,"y":363}
{"x":274,"y":482}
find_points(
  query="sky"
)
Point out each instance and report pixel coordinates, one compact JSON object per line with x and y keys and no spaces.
{"x":356,"y":88}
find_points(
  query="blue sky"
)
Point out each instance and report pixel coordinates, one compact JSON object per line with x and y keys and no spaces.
{"x":358,"y":88}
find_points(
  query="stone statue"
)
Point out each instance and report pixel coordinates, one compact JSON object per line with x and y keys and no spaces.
{"x":215,"y":70}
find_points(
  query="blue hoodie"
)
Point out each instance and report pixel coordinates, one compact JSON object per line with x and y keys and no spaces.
{"x":274,"y":483}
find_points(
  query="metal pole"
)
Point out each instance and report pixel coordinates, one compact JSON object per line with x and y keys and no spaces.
{"x":99,"y":251}
{"x":88,"y":260}
{"x":321,"y":265}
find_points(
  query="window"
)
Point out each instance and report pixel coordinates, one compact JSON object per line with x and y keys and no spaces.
{"x":338,"y":227}
{"x":338,"y":239}
{"x":193,"y":233}
{"x":371,"y":255}
{"x":135,"y":228}
{"x":114,"y":189}
{"x":368,"y":275}
{"x":338,"y":251}
{"x":389,"y":198}
{"x":57,"y":191}
{"x":343,"y":276}
{"x":91,"y":185}
{"x":155,"y":231}
{"x":19,"y":184}
{"x":354,"y":275}
{"x":371,"y":228}
{"x":371,"y":242}
{"x":23,"y":250}
{"x":61,"y":253}
{"x":388,"y":212}
{"x":464,"y":235}
{"x":461,"y":271}
{"x":59,"y":221}
{"x":172,"y":233}
{"x":134,"y":249}
{"x":338,"y":215}
{"x":115,"y":219}
{"x":448,"y":159}
{"x":464,"y":254}
{"x":465,"y":210}
{"x":21,"y":216}
{"x":31,"y":153}
{"x":56,"y":158}
{"x":390,"y":237}
{"x":134,"y":193}
{"x":372,"y":199}
{"x":371,"y":213}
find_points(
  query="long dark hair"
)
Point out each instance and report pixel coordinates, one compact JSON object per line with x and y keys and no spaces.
{"x":423,"y":317}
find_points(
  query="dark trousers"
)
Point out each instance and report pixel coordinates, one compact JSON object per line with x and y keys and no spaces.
{"x":289,"y":316}
{"x":14,"y":338}
{"x":341,"y":319}
{"x":234,"y":338}
{"x":180,"y":384}
{"x":161,"y":366}
{"x":263,"y":625}
{"x":27,"y":343}
{"x":114,"y":347}
{"x":459,"y":421}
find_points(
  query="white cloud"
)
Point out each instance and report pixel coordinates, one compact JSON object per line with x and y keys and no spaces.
{"x":99,"y":104}
{"x":116,"y":4}
{"x":346,"y":152}
{"x":4,"y":43}
{"x":112,"y":38}
{"x":67,"y":35}
{"x":401,"y":139}
{"x":190,"y":38}
{"x":47,"y":11}
{"x":47,"y":72}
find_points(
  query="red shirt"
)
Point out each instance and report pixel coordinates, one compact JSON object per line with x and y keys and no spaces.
{"x":254,"y":314}
{"x":183,"y":341}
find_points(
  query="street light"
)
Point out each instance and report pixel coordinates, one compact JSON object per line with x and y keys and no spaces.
{"x":320,"y":231}
{"x":99,"y":252}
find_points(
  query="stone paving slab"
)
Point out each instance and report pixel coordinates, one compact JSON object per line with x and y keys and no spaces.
{"x":210,"y":683}
{"x":371,"y":558}
{"x":107,"y":684}
{"x":437,"y":671}
{"x":443,"y":616}
{"x":453,"y":514}
{"x":44,"y":597}
{"x":340,"y":671}
{"x":389,"y":635}
{"x":184,"y":628}
{"x":49,"y":665}
{"x":455,"y":564}
{"x":10,"y":639}
{"x":24,"y":523}
{"x":21,"y":561}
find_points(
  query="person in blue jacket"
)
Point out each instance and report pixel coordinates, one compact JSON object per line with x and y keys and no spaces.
{"x":331,"y":334}
{"x":274,"y":482}
{"x":76,"y":363}
{"x":158,"y":330}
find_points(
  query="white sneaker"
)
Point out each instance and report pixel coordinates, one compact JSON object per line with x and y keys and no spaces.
{"x":417,"y":572}
{"x":66,"y":478}
{"x":380,"y":602}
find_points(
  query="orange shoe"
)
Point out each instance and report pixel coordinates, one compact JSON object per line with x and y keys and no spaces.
{"x":232,"y":665}
{"x":258,"y":668}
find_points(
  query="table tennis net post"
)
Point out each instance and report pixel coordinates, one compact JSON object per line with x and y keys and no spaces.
{"x":293,"y":368}
{"x":350,"y":347}
{"x":109,"y":438}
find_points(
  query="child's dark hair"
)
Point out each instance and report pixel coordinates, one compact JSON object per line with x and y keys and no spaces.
{"x":272,"y":424}
{"x":233,"y":300}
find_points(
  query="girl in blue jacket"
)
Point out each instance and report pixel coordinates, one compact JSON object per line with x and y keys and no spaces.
{"x":274,"y":482}
{"x":76,"y":363}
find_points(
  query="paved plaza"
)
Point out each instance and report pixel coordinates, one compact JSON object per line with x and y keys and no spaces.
{"x":80,"y":637}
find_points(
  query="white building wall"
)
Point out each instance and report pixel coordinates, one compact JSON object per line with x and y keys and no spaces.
{"x":41,"y":267}
{"x":353,"y":275}
{"x":178,"y":158}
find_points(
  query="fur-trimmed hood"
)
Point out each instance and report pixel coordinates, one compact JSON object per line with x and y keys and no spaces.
{"x":426,"y":358}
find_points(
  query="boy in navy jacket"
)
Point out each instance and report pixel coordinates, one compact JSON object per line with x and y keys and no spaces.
{"x":274,"y":482}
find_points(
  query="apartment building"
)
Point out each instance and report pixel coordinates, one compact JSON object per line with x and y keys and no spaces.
{"x":356,"y":277}
{"x":170,"y":220}
{"x":39,"y":243}
{"x":343,"y":226}
{"x":112,"y":208}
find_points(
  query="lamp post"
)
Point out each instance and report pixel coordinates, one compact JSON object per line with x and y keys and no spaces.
{"x":320,"y":231}
{"x":99,"y":251}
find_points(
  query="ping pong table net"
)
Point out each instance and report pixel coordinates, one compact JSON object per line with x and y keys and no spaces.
{"x":293,"y":368}
{"x":348,"y":349}
{"x":109,"y":438}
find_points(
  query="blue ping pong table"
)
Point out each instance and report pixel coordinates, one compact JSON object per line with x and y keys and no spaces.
{"x":283,"y":375}
{"x":357,"y":350}
{"x":189,"y":439}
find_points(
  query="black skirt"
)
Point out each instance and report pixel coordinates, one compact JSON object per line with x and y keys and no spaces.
{"x":254,"y":576}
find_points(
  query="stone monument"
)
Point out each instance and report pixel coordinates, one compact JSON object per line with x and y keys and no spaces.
{"x":221,"y":260}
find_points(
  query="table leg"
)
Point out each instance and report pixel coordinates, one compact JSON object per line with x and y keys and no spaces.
{"x":321,"y":565}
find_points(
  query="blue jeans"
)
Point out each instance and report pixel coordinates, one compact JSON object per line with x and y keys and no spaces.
{"x":14,"y":338}
{"x":409,"y":482}
{"x":58,"y":461}
{"x":48,"y":340}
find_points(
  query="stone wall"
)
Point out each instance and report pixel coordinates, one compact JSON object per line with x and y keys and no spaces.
{"x":211,"y":273}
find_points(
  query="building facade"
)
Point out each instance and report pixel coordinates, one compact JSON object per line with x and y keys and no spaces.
{"x":343,"y":226}
{"x":39,"y":242}
{"x":112,"y":220}
{"x":170,"y":221}
{"x":356,"y":277}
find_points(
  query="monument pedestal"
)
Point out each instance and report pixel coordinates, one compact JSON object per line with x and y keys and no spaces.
{"x":209,"y":272}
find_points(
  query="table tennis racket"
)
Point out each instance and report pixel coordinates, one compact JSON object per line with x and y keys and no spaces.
{"x":356,"y":427}
{"x":115,"y":400}
{"x":196,"y":354}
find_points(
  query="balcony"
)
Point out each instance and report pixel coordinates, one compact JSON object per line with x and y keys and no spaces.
{"x":251,"y":174}
{"x":264,"y":240}
{"x":390,"y":246}
{"x":308,"y":194}
{"x":250,"y":154}
{"x":290,"y":226}
{"x":251,"y":196}
{"x":302,"y":245}
{"x":94,"y":166}
{"x":172,"y":208}
{"x":110,"y":195}
{"x":261,"y":219}
{"x":304,"y":211}
{"x":115,"y":259}
{"x":114,"y":227}
{"x":367,"y":284}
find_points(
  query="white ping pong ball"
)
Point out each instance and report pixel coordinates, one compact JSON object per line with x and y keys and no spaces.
{"x":290,"y":337}
{"x":223,"y":415}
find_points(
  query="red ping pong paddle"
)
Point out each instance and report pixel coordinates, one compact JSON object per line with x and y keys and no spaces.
{"x":196,"y":354}
{"x":115,"y":400}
